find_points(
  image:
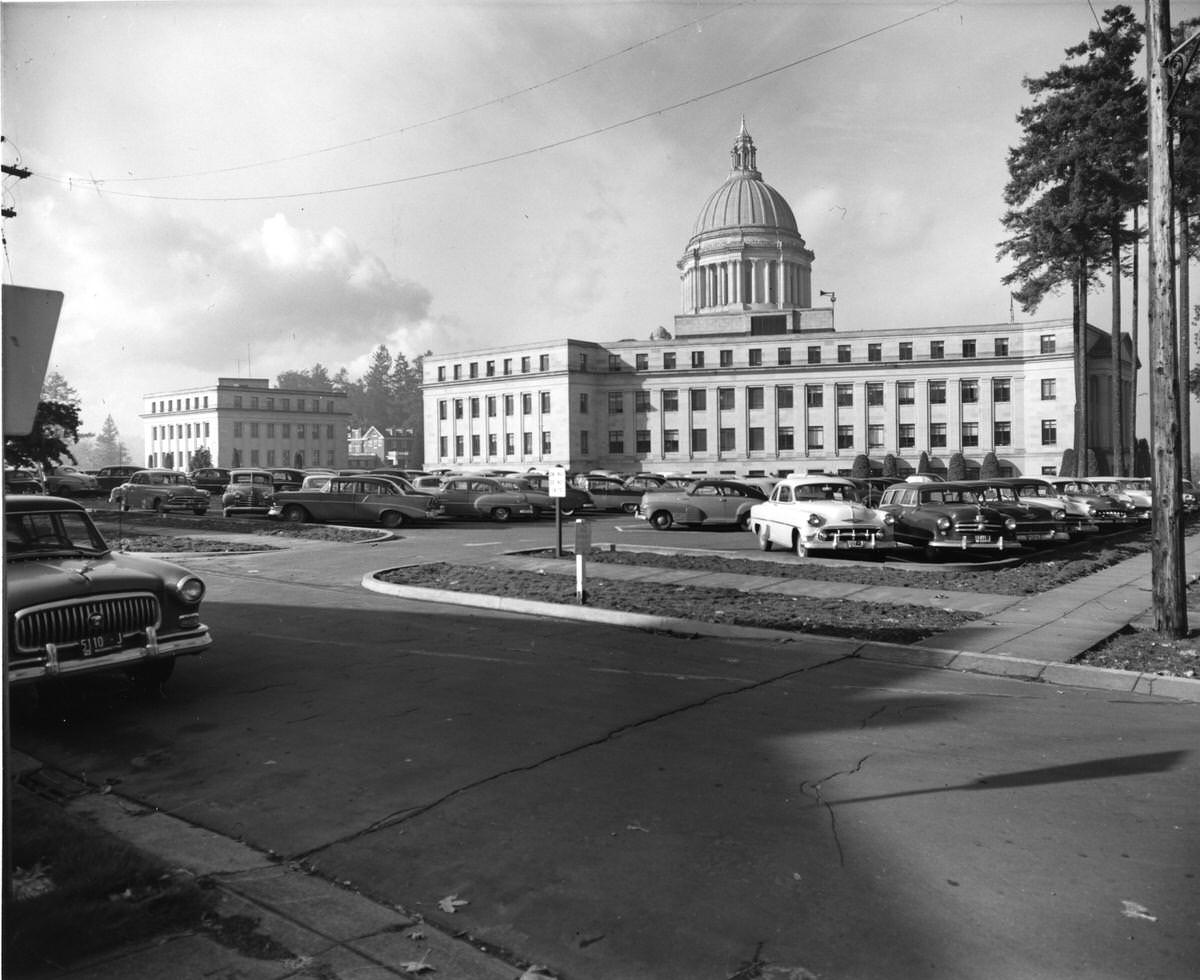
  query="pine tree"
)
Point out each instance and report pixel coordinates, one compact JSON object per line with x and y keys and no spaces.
{"x":108,"y":448}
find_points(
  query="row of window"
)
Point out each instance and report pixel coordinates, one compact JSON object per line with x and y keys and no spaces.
{"x":783,"y":357}
{"x":200,"y":402}
{"x":814,"y":397}
{"x":200,"y":430}
{"x":785,"y":439}
{"x":285,"y":457}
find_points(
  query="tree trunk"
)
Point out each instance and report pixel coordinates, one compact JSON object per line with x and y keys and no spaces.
{"x":1182,"y":320}
{"x":1081,"y":371}
{"x":1118,"y":415}
{"x":1133,"y":330}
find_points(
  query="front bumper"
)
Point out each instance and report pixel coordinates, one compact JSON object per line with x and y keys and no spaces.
{"x":845,"y":539}
{"x":49,"y":664}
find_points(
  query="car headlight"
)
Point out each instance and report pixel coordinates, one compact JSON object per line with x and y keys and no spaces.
{"x":816,"y":520}
{"x":1011,"y":524}
{"x":1060,"y":515}
{"x":190,"y":589}
{"x":1091,"y":511}
{"x":943,"y":523}
{"x":889,"y":519}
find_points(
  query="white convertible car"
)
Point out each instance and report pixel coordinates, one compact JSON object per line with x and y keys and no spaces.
{"x":815,"y":513}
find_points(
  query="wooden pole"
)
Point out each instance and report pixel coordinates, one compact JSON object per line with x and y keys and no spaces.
{"x":1166,"y":543}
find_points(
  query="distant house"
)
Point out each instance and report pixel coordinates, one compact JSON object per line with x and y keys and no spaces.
{"x":372,"y":446}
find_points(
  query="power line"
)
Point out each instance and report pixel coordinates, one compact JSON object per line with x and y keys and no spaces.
{"x":519,"y":154}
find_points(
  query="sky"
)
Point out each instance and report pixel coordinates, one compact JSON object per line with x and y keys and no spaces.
{"x":239,"y":189}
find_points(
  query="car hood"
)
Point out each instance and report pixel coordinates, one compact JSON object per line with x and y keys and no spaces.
{"x":842,"y":511}
{"x":32,"y":581}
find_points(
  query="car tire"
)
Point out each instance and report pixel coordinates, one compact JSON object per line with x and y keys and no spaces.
{"x":391,"y":518}
{"x":764,"y":539}
{"x":157,"y":506}
{"x":226,"y":512}
{"x":294,"y":514}
{"x":629,"y":508}
{"x":661,"y":520}
{"x":125,"y":506}
{"x":743,"y":521}
{"x":501,"y":515}
{"x":567,"y":512}
{"x":798,"y":545}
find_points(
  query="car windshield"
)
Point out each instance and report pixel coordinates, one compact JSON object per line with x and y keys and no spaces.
{"x":953,"y":496}
{"x":1002,"y":495}
{"x":826,"y":491}
{"x":51,"y":533}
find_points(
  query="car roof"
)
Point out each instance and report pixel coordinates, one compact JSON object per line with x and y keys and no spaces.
{"x":250,"y":469}
{"x":811,"y":478}
{"x":24,"y":503}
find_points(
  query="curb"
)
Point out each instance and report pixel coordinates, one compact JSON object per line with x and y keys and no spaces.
{"x":967,"y":661}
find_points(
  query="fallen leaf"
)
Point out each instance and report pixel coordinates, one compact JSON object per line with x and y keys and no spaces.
{"x":417,"y":966}
{"x":452,"y":902}
{"x":1132,"y":910}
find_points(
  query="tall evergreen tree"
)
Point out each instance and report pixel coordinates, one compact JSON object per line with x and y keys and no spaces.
{"x":109,"y":450}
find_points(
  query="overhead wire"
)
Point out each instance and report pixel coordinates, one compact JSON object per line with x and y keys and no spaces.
{"x":100,"y":187}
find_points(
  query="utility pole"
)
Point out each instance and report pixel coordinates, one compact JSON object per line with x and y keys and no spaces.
{"x":1166,"y":542}
{"x":19,"y":172}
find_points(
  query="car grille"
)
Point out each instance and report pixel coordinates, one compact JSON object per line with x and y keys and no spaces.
{"x":64,"y":623}
{"x":848,"y":534}
{"x":1112,"y":514}
{"x":979,"y":526}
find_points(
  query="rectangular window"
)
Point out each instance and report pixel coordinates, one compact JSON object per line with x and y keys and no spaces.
{"x":755,"y":439}
{"x":237,"y":401}
{"x":614,"y":362}
{"x":905,"y":352}
{"x":457,"y":375}
{"x":545,"y":443}
{"x":474,"y":445}
{"x":906,"y":437}
{"x":443,"y":446}
{"x":508,"y":365}
{"x":285,"y":430}
{"x":491,"y":406}
{"x":784,"y":356}
{"x":583,"y":442}
{"x":527,"y":443}
{"x":727,"y":440}
{"x":670,"y":400}
{"x":544,"y":362}
{"x":697,"y":358}
{"x":493,"y":444}
{"x":474,"y":408}
{"x":816,"y":437}
{"x":937,"y":350}
{"x":300,"y":433}
{"x":726,"y":358}
{"x":937,"y":392}
{"x":442,"y":410}
{"x":254,"y":457}
{"x":843,"y":353}
{"x":669,"y":360}
{"x":329,"y":431}
{"x":641,"y":440}
{"x":545,"y":402}
{"x":754,"y":398}
{"x":642,"y":361}
{"x":906,"y":393}
{"x":1049,"y":432}
{"x":937,"y":435}
{"x":1001,"y":389}
{"x":874,"y":392}
{"x":458,"y":408}
{"x":699,"y":440}
{"x":526,"y":403}
{"x":641,"y":402}
{"x":756,"y":357}
{"x":845,"y":437}
{"x":845,"y":395}
{"x":616,"y":402}
{"x":510,"y":444}
{"x":1002,"y":434}
{"x":968,"y":348}
{"x":1048,"y":345}
{"x":473,"y":370}
{"x":969,"y":391}
{"x":237,"y":430}
{"x":253,"y":430}
{"x":699,"y":399}
{"x":1001,"y":348}
{"x":814,"y":396}
{"x":491,"y":369}
{"x":785,"y":396}
{"x":670,"y":440}
{"x":785,"y":439}
{"x":970,"y":434}
{"x":1049,"y":389}
{"x":874,"y":436}
{"x":725,"y":401}
{"x":616,"y":440}
{"x":286,"y":404}
{"x":525,"y":367}
{"x":814,"y":355}
{"x":508,"y":404}
{"x":583,"y":402}
{"x":270,"y":457}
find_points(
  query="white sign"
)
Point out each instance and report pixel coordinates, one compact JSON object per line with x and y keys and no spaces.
{"x":558,"y":482}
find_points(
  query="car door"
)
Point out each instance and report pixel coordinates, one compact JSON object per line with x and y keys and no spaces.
{"x":338,"y":502}
{"x":457,"y":498}
{"x":704,"y":504}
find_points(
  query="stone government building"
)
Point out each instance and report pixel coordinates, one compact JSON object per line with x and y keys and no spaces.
{"x":757,"y":381}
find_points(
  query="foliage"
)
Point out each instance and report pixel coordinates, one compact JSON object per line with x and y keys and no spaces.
{"x":315,"y":378}
{"x":202,"y":458}
{"x":1093,"y":465}
{"x":990,"y":467}
{"x":56,"y":389}
{"x":862,"y":467}
{"x":54,"y":424}
{"x":1067,"y":466}
{"x":890,"y":466}
{"x":108,"y":449}
{"x":1143,"y":463}
{"x":923,"y":464}
{"x":957,"y":468}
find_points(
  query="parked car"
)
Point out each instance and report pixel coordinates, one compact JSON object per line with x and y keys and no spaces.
{"x":1036,"y":523}
{"x":941,"y":517}
{"x":355,"y":500}
{"x":537,"y":487}
{"x":22,"y":481}
{"x":70,"y":481}
{"x":1106,"y":510}
{"x":160,"y":490}
{"x":408,"y":475}
{"x":214,"y":479}
{"x":287,"y":479}
{"x":818,"y":513}
{"x":74,"y":607}
{"x":610,"y":492}
{"x":706,"y":502}
{"x":1135,"y":490}
{"x":643,"y":482}
{"x":482,"y":496}
{"x":110,"y":477}
{"x":1191,"y":500}
{"x":872,"y":487}
{"x":249,"y":491}
{"x":1035,"y":491}
{"x":428,"y":482}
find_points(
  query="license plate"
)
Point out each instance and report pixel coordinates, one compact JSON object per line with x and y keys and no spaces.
{"x":853,"y":543}
{"x":92,"y":645}
{"x":983,"y":539}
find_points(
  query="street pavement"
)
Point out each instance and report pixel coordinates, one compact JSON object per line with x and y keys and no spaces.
{"x":395,"y":788}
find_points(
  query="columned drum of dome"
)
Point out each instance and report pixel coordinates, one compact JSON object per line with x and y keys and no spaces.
{"x":745,"y":252}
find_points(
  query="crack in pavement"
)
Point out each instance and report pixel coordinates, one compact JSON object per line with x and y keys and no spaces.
{"x":410,"y":813}
{"x":819,"y":797}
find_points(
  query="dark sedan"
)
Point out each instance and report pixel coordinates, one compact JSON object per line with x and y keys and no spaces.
{"x":356,"y":500}
{"x":940,"y":517}
{"x":1036,"y":523}
{"x":214,"y":479}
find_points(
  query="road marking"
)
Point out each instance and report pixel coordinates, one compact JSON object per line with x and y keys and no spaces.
{"x":481,"y":544}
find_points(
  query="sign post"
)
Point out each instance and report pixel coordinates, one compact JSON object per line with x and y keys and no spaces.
{"x":558,"y":490}
{"x":583,"y":545}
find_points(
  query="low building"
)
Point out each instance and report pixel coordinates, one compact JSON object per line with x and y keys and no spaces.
{"x":246,"y":422}
{"x":757,"y":381}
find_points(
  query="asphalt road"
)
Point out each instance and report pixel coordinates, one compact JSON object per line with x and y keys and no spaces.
{"x":615,"y":804}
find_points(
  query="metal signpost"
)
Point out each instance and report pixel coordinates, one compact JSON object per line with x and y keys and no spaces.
{"x":558,"y":490}
{"x":583,"y":545}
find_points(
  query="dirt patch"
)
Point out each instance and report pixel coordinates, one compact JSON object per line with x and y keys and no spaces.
{"x":117,"y":526}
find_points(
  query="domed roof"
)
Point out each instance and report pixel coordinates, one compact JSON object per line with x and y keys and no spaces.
{"x":744,"y":200}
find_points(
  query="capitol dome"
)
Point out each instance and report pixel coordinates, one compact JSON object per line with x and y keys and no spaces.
{"x":745,"y":251}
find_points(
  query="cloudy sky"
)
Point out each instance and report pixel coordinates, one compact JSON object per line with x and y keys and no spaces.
{"x":243,"y":188}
